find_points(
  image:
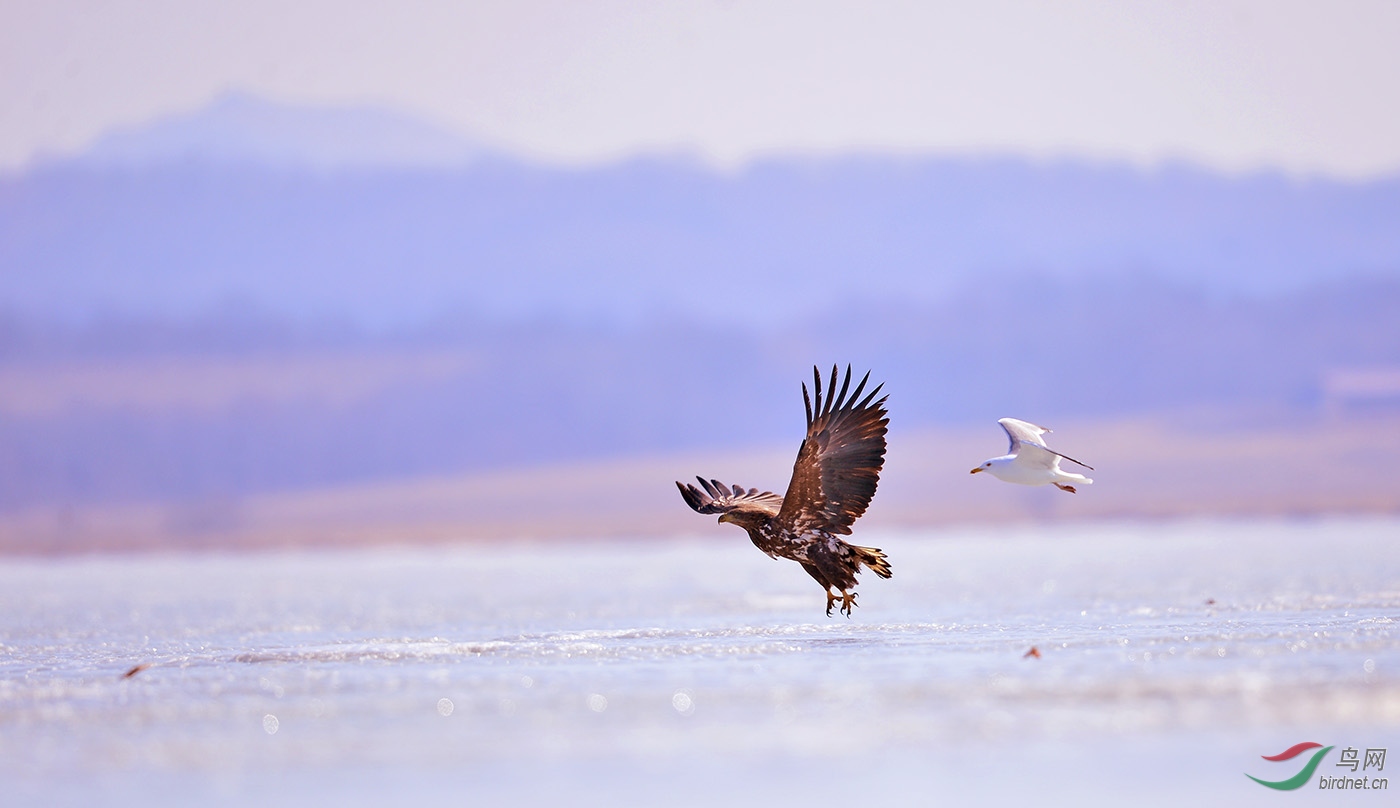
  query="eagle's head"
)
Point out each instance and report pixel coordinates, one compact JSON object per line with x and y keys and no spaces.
{"x":747,"y":518}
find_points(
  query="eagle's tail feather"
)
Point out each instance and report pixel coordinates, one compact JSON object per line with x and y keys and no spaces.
{"x":873,"y":558}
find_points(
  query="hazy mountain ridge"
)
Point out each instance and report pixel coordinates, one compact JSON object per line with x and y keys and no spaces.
{"x":780,"y":241}
{"x":238,"y":128}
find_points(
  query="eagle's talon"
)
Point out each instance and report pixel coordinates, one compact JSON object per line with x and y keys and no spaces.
{"x":830,"y":599}
{"x":848,"y":600}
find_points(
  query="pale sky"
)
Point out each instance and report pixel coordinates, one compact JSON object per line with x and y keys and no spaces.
{"x":1310,"y":88}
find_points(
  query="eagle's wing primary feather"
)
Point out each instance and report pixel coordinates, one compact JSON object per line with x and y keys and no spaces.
{"x":714,"y":496}
{"x":838,"y":465}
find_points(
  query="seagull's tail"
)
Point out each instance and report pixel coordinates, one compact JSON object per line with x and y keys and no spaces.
{"x":1069,"y":477}
{"x":874,"y":559}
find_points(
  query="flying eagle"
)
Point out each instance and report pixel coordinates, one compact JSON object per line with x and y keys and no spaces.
{"x":837,"y":469}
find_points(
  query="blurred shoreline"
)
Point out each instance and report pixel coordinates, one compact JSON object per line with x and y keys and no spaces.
{"x":1148,"y":468}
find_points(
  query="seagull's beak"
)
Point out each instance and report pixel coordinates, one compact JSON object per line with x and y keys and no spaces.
{"x":974,"y":471}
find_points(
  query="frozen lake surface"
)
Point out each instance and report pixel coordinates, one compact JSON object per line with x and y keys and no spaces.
{"x":1172,"y":657}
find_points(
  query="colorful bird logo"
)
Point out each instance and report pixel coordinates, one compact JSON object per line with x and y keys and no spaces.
{"x":1302,"y":777}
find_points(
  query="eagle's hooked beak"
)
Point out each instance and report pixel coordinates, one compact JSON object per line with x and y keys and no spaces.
{"x":724,"y":517}
{"x":974,"y":471}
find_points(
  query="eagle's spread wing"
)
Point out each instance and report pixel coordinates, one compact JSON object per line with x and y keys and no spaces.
{"x":838,"y":465}
{"x":719,"y":498}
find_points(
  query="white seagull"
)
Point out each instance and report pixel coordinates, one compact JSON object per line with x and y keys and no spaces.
{"x":1030,"y":461}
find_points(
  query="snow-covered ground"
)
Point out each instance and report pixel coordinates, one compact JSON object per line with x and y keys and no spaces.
{"x":1171,"y":658}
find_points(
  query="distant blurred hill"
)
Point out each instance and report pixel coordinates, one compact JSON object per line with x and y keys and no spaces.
{"x":323,"y":213}
{"x":240,"y":129}
{"x":202,"y":322}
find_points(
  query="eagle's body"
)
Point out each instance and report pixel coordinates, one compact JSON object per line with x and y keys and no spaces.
{"x":834,"y":477}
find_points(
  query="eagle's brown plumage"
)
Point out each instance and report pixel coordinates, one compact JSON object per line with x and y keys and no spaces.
{"x":837,"y":470}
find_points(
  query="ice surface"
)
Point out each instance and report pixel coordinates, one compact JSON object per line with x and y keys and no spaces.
{"x":688,"y":672}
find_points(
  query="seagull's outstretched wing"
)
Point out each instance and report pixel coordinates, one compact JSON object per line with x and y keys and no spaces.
{"x":1026,"y":441}
{"x":1035,"y":456}
{"x":1022,"y":432}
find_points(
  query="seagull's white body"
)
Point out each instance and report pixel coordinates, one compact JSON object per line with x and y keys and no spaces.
{"x":1030,"y":461}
